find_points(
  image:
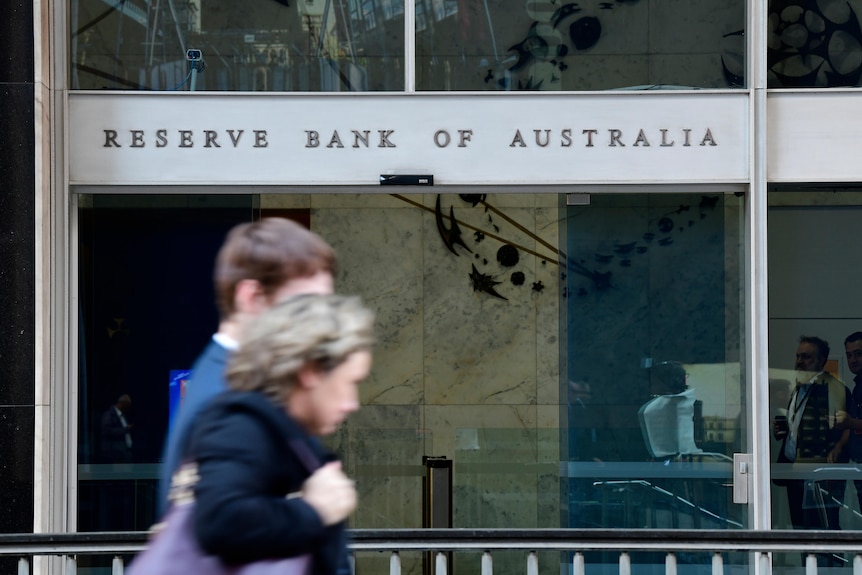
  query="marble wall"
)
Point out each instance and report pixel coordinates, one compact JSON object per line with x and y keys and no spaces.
{"x":458,"y":373}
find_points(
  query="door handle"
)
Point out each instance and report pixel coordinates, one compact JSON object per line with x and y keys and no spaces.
{"x":741,"y":469}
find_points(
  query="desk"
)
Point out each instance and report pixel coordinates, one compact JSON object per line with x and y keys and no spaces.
{"x":655,"y":494}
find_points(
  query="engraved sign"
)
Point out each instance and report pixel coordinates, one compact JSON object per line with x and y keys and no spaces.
{"x":349,"y":139}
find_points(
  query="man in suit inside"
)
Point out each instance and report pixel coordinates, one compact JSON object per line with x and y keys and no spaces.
{"x":811,"y":436}
{"x":116,"y":432}
{"x":116,"y":497}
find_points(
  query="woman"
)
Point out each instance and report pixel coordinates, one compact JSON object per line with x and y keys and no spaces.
{"x":266,"y":487}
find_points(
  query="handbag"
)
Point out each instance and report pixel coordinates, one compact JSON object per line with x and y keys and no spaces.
{"x":174,"y":549}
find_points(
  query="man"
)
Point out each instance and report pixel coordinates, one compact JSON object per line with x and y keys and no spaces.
{"x":116,"y":432}
{"x":259,"y":265}
{"x":852,"y":418}
{"x":812,"y":437}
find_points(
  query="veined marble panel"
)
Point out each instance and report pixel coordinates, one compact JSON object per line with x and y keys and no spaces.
{"x":356,"y":201}
{"x":285,"y":201}
{"x":480,"y":348}
{"x":382,"y":448}
{"x":500,"y":469}
{"x":381,"y":258}
{"x":448,"y":423}
{"x":453,"y":367}
{"x":548,"y":336}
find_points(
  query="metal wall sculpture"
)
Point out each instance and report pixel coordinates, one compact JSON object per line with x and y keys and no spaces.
{"x":508,"y":253}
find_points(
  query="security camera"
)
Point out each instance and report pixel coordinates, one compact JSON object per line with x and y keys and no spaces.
{"x":194,"y":55}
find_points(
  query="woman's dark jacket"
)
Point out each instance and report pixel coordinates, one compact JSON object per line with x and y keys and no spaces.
{"x":242,"y":444}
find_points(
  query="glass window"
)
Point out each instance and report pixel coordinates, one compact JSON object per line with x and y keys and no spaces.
{"x":146,"y":307}
{"x":255,"y":46}
{"x":815,"y":354}
{"x":655,"y":399}
{"x":579,"y":365}
{"x":814,"y":44}
{"x":579,"y":46}
{"x":466,"y":290}
{"x":358,"y":45}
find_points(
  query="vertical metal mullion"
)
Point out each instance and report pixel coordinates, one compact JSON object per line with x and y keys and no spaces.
{"x":757,"y":335}
{"x":409,"y":45}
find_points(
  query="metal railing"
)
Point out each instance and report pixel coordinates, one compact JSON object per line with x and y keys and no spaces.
{"x":575,"y":545}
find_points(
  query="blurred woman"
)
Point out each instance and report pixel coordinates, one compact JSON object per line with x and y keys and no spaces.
{"x":266,"y":488}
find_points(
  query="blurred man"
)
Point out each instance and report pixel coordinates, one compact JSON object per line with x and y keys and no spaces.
{"x":259,"y":265}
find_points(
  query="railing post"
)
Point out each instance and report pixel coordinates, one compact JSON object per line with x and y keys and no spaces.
{"x":23,"y":566}
{"x":71,"y":565}
{"x":670,"y":564}
{"x":625,"y":563}
{"x":440,"y":567}
{"x":857,"y":564}
{"x":717,"y":564}
{"x":117,"y":566}
{"x":487,"y":564}
{"x":532,"y":563}
{"x":764,"y":563}
{"x":578,"y":563}
{"x":811,"y":564}
{"x":395,"y":563}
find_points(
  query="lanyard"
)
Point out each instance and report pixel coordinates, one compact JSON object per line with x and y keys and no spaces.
{"x":797,"y":407}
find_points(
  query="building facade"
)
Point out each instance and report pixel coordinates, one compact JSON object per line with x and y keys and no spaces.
{"x":594,"y":234}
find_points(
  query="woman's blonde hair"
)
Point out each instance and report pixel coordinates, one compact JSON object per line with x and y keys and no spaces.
{"x":322,"y":330}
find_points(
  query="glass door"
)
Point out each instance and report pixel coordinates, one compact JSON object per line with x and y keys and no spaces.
{"x":655,"y":397}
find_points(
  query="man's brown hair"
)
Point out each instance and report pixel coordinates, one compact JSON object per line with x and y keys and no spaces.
{"x":271,"y":251}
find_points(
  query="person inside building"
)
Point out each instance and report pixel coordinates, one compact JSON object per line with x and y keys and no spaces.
{"x":116,"y":432}
{"x":668,"y":378}
{"x":115,"y":502}
{"x":265,"y":488}
{"x":670,"y":421}
{"x":852,"y":418}
{"x":811,"y":436}
{"x":259,"y":265}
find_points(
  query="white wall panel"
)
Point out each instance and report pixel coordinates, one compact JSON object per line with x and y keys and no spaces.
{"x":814,"y":136}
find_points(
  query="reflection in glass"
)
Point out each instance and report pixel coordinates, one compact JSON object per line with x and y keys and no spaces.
{"x":146,"y":308}
{"x":579,"y":46}
{"x":814,"y":44}
{"x":655,"y":394}
{"x":255,"y":46}
{"x":813,"y":371}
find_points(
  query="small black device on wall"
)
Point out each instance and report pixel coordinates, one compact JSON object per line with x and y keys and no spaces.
{"x":406,"y":180}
